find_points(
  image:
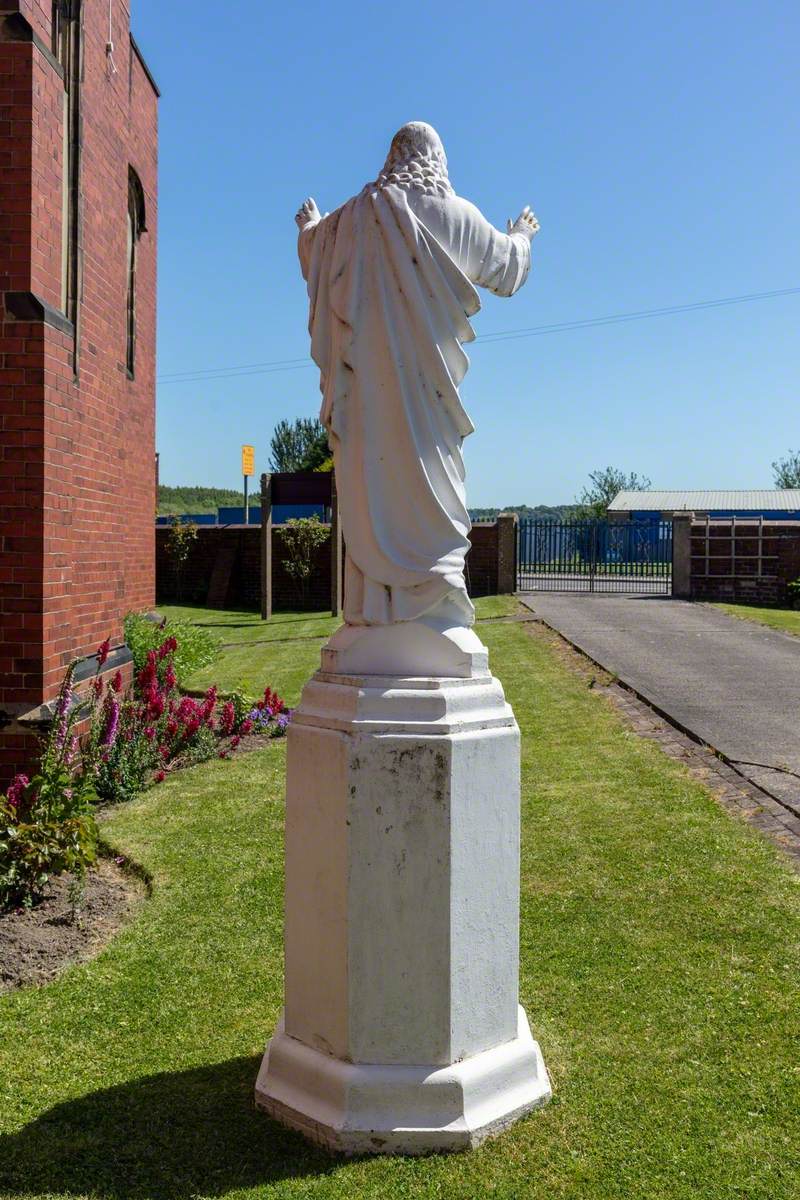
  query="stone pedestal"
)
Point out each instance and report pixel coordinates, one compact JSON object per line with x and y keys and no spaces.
{"x":402,"y":1031}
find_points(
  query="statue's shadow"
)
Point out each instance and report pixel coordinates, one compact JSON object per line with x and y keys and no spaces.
{"x":162,"y":1137}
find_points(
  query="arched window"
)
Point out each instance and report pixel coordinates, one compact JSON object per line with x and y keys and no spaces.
{"x":136,"y":227}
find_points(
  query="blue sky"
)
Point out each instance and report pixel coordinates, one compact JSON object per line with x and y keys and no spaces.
{"x":656,"y":143}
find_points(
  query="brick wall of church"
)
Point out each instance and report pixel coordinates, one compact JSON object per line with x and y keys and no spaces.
{"x":77,"y":432}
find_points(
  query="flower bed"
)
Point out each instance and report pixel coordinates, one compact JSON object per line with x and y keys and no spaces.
{"x":106,"y":746}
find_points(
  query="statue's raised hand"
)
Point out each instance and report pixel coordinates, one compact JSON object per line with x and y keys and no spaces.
{"x":308,"y":214}
{"x":525,"y":223}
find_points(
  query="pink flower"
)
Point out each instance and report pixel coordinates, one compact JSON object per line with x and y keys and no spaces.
{"x":63,"y":706}
{"x":103,"y":652}
{"x":149,"y":733}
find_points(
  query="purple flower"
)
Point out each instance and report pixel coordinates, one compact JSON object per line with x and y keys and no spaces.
{"x":112,"y":722}
{"x":282,"y":720}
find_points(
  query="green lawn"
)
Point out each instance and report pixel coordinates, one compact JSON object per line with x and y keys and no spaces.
{"x":787,"y":619}
{"x":660,"y":971}
{"x":283,"y":651}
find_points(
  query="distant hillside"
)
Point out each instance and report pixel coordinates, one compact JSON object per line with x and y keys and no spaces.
{"x":552,"y":512}
{"x":198,"y":499}
{"x":178,"y":500}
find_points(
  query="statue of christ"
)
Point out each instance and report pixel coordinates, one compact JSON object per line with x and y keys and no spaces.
{"x":391,"y":278}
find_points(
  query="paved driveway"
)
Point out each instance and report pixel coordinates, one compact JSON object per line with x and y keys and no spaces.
{"x":733,"y":683}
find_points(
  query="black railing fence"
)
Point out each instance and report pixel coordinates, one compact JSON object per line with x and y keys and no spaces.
{"x":594,"y":556}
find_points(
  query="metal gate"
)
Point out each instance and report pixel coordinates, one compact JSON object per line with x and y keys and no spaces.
{"x":594,"y":556}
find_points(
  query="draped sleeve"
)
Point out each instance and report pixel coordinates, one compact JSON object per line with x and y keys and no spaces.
{"x":497,"y":261}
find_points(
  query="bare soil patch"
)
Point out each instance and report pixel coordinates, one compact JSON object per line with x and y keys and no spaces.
{"x":39,"y":943}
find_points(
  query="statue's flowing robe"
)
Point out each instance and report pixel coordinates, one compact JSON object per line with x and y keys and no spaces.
{"x":390,"y":281}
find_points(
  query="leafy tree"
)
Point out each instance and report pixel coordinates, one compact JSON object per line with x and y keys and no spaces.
{"x":786,"y":471}
{"x":182,"y":535}
{"x":301,"y":538}
{"x":604,"y":486}
{"x":300,"y":445}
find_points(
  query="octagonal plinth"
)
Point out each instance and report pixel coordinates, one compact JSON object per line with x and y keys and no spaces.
{"x":401,"y":1029}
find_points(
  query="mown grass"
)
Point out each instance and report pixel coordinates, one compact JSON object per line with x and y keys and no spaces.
{"x":282,"y":652}
{"x":659,"y":970}
{"x":786,"y":619}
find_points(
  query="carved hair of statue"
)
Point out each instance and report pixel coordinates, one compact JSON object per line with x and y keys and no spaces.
{"x":416,"y":160}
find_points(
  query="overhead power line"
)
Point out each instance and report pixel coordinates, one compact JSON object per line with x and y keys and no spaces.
{"x":211,"y":374}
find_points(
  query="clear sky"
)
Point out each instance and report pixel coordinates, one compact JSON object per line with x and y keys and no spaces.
{"x":656,"y":142}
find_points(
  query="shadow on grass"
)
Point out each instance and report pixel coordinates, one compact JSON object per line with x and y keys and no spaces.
{"x":163,"y":1137}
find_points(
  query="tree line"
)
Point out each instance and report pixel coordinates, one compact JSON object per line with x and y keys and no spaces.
{"x":302,"y":445}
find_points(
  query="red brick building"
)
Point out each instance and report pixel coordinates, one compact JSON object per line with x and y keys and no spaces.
{"x":78,"y":190}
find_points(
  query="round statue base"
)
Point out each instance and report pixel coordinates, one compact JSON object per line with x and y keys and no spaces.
{"x":354,"y":1108}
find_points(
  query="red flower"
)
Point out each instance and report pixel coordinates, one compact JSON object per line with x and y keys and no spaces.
{"x":246,"y":727}
{"x":235,"y":742}
{"x":161,"y":776}
{"x":224,"y":754}
{"x":15,"y":791}
{"x":172,"y":727}
{"x":149,"y":733}
{"x":188,"y":708}
{"x":271,"y":702}
{"x":116,"y":682}
{"x":103,"y":651}
{"x":227,"y":718}
{"x":170,"y":678}
{"x":209,"y":704}
{"x":97,"y":686}
{"x":167,"y":647}
{"x":164,"y":751}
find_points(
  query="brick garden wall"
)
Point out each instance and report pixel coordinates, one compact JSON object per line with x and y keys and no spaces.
{"x":744,"y":561}
{"x":77,"y":433}
{"x":487,"y":567}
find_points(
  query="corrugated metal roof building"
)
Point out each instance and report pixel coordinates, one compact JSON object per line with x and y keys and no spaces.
{"x":774,"y":504}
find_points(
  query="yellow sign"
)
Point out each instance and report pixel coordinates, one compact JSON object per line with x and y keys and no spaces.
{"x":248,"y":460}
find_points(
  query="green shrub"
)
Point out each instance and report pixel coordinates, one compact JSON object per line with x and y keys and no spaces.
{"x":31,"y":851}
{"x":301,"y":538}
{"x":196,"y":647}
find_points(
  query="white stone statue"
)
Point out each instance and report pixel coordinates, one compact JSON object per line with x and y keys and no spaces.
{"x":402,"y":1031}
{"x":390,"y":280}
